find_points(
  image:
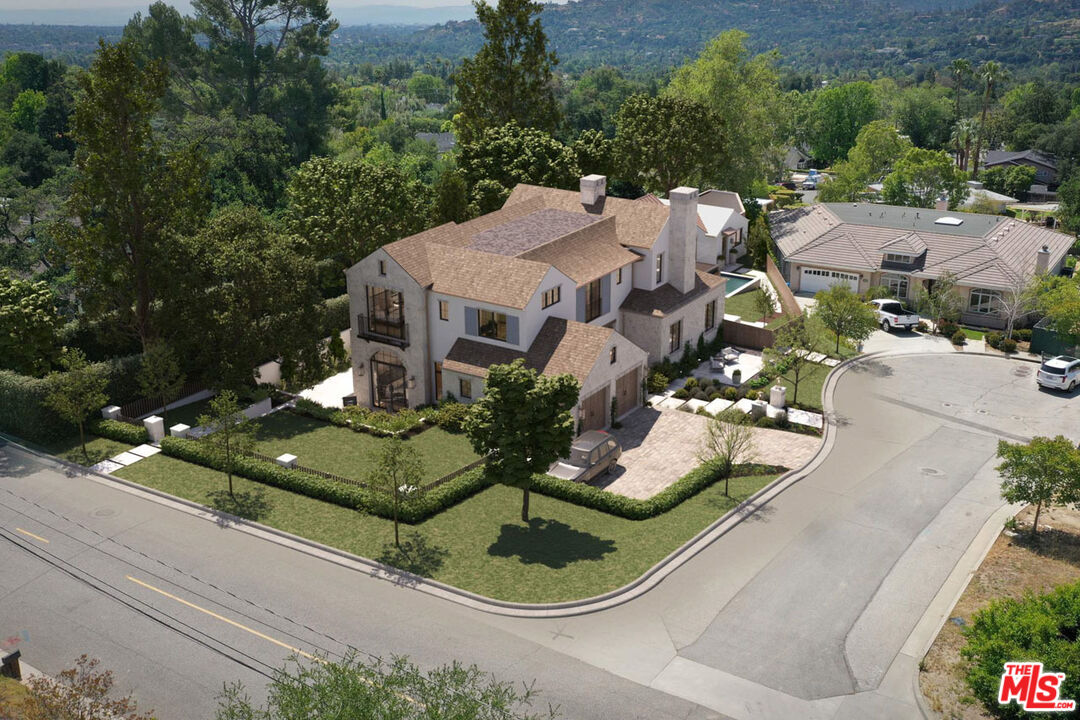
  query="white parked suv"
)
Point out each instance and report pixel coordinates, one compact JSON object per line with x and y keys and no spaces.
{"x":891,"y":314}
{"x":1060,"y":373}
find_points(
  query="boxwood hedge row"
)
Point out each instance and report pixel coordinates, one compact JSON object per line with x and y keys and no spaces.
{"x":119,"y":431}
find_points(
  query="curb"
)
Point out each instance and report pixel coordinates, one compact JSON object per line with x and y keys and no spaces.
{"x":632,"y":590}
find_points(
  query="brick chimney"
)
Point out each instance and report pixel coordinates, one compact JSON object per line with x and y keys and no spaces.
{"x":593,"y":189}
{"x":942,"y":203}
{"x":1042,"y":260}
{"x":682,"y":238}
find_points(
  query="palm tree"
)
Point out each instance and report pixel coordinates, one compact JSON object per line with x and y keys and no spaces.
{"x":960,"y":69}
{"x":962,"y":135}
{"x":992,"y":74}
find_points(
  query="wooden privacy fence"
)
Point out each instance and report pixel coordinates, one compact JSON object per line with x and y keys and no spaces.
{"x":748,"y":336}
{"x":787,"y":298}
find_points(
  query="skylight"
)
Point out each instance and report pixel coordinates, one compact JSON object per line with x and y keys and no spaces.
{"x":948,"y":220}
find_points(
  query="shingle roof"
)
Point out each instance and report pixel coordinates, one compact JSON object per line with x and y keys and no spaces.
{"x":666,"y":299}
{"x":996,"y":157}
{"x":485,"y":277}
{"x":986,"y":250}
{"x":561,"y":346}
{"x":525,"y":233}
{"x":638,"y":223}
{"x":586,"y":254}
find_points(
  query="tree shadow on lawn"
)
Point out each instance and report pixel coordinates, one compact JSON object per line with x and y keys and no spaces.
{"x":1051,"y":542}
{"x":415,"y":557}
{"x":285,"y":425}
{"x":248,"y":504}
{"x":549,"y":542}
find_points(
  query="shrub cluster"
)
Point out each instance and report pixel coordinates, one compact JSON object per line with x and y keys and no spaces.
{"x":118,"y":431}
{"x":402,"y":423}
{"x":947,"y":328}
{"x":959,"y":338}
{"x":999,"y":342}
{"x":449,"y":415}
{"x":1040,"y":628}
{"x":354,"y":497}
{"x":682,"y":489}
{"x":335,"y":315}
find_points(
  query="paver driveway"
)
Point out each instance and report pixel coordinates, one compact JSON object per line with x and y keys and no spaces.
{"x":660,"y":446}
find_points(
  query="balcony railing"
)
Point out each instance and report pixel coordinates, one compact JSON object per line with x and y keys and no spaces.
{"x":390,"y":333}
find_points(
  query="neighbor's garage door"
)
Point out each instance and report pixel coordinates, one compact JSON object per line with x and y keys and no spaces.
{"x":814,"y":279}
{"x":627,"y":392}
{"x":593,"y":411}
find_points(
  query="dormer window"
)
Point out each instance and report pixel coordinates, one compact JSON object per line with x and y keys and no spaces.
{"x":897,"y":258}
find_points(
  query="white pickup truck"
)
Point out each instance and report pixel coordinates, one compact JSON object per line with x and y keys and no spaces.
{"x":891,"y":314}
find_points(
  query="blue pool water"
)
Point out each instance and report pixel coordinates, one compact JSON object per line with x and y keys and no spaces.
{"x":736,"y":282}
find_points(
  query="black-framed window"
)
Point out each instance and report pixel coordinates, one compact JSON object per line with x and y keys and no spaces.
{"x":613,"y":355}
{"x":710,"y":315}
{"x":675,"y":336}
{"x":491,"y":324}
{"x":618,"y":276}
{"x":386,"y":312}
{"x":552,"y":296}
{"x":659,"y":268}
{"x":388,"y":382}
{"x":594,"y":303}
{"x":444,"y":310}
{"x":465,"y":388}
{"x":382,"y":267}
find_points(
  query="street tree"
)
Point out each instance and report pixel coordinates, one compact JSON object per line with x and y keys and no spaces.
{"x":793,"y":343}
{"x":664,"y":142}
{"x":230,"y":433}
{"x":728,"y":439}
{"x":523,"y":423}
{"x":1045,"y":471}
{"x":349,"y":209}
{"x":942,"y":302}
{"x":921,"y":177}
{"x":77,"y":390}
{"x":131,"y":197}
{"x":398,"y":473}
{"x":843,"y":313}
{"x":749,"y":112}
{"x":510,"y":78}
{"x":394,"y":689}
{"x":28,"y":324}
{"x":160,"y":376}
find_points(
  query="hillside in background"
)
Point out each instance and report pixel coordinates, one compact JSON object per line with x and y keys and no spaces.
{"x":830,"y":37}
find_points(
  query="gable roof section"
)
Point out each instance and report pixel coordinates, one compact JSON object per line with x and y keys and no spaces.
{"x":908,"y":244}
{"x":638,"y":224}
{"x":586,"y":254}
{"x":521,"y":235}
{"x":484,"y":277}
{"x":998,"y":157}
{"x":666,"y":299}
{"x":561,"y":346}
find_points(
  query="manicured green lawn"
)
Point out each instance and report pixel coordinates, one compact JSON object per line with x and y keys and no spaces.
{"x":98,"y":448}
{"x":338,"y":450}
{"x":973,"y":334}
{"x":744,"y":305}
{"x":187,"y":414}
{"x":811,"y":380}
{"x":826,"y":340}
{"x":566,"y":552}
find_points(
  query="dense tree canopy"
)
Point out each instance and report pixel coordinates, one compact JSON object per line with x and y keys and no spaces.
{"x":923,"y":176}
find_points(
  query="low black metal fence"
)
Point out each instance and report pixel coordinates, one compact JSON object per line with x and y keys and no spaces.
{"x":144,"y":406}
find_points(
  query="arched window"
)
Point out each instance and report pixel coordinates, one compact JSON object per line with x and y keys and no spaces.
{"x":388,"y":382}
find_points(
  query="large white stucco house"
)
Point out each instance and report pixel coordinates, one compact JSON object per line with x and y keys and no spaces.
{"x":572,"y":282}
{"x":863,"y":245}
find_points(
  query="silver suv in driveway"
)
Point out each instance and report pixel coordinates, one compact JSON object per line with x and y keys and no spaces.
{"x":1060,"y":373}
{"x":592,"y":453}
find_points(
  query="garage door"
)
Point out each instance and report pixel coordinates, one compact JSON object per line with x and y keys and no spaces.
{"x":627,"y":392}
{"x":814,"y":279}
{"x":594,"y":411}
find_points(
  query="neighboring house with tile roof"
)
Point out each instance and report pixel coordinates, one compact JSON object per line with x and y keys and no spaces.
{"x":1046,"y":171}
{"x":570,"y":282}
{"x":864,"y":245}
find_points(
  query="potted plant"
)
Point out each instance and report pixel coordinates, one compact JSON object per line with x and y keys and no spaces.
{"x":736,"y":376}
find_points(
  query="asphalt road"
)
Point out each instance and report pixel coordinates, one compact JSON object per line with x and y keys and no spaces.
{"x":799,"y":611}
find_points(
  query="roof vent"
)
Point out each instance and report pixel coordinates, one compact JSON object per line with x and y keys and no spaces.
{"x":949,"y":220}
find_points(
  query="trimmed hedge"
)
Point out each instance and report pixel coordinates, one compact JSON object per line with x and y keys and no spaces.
{"x":354,"y":497}
{"x":119,"y":431}
{"x":681,"y":490}
{"x":403,"y":423}
{"x":22,"y":400}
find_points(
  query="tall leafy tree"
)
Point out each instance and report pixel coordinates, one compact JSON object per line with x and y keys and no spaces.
{"x":1045,"y":471}
{"x":991,"y":74}
{"x":877,"y":148}
{"x":77,"y":390}
{"x":348,"y":209}
{"x":842,"y":312}
{"x":667,"y":141}
{"x":248,"y":293}
{"x":1069,"y":195}
{"x":450,"y":198}
{"x":501,"y":157}
{"x":28,"y":324}
{"x":523,"y":423}
{"x":743,"y":93}
{"x":922,"y":176}
{"x":510,"y":78}
{"x":839,"y":113}
{"x":960,"y":69}
{"x":160,"y":376}
{"x":130,"y":196}
{"x":1059,"y":300}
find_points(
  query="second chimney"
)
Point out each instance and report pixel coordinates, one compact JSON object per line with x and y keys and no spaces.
{"x":1042,"y":260}
{"x":593,"y":189}
{"x":682,"y":238}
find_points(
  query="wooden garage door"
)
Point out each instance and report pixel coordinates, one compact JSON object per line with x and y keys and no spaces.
{"x":594,"y":411}
{"x":627,"y":392}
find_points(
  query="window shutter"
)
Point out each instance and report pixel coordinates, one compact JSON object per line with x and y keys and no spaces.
{"x":472,"y":318}
{"x":605,"y":295}
{"x":580,"y":304}
{"x":512,"y":329}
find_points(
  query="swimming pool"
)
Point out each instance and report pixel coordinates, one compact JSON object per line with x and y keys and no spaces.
{"x":736,"y":283}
